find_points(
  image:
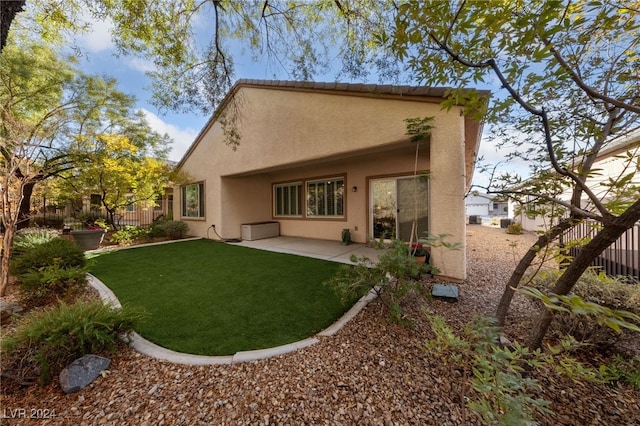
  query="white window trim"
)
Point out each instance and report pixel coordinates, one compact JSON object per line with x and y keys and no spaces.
{"x":201,"y":206}
{"x":299,"y":203}
{"x":326,"y":181}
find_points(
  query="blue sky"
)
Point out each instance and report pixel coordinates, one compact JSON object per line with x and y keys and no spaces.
{"x":99,"y":58}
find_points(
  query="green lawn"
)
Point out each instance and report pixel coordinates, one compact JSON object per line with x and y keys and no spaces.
{"x":210,"y":298}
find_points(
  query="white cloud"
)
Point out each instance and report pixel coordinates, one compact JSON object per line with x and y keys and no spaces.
{"x":98,"y":39}
{"x":182,"y":138}
{"x":141,"y":65}
{"x":493,"y":156}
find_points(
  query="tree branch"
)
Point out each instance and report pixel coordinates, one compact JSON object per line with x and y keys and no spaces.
{"x":591,"y":92}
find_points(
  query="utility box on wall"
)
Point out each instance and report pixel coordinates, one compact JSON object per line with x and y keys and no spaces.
{"x":260,"y":230}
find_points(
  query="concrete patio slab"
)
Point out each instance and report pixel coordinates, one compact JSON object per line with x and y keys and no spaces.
{"x":319,"y":249}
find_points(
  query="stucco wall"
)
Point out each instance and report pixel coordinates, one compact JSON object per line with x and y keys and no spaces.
{"x":288,"y":135}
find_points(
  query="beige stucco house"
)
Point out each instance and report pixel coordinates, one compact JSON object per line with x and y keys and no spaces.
{"x":318,"y":158}
{"x":617,"y":160}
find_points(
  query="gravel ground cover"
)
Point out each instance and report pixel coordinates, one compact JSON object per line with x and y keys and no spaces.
{"x":370,"y":373}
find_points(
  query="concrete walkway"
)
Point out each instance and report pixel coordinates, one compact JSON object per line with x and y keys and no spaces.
{"x":320,"y":249}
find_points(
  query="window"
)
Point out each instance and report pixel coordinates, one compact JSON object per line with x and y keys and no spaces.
{"x":95,"y":202}
{"x":325,"y":198}
{"x":287,"y":199}
{"x":131,"y":207}
{"x":193,"y":200}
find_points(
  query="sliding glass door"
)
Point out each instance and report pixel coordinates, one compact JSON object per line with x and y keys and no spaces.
{"x":395,"y":204}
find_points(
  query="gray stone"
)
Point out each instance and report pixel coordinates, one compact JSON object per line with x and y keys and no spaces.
{"x":8,"y":309}
{"x":82,"y":372}
{"x":445,"y":291}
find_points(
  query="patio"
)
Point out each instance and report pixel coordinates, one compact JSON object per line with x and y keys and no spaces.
{"x":319,"y":249}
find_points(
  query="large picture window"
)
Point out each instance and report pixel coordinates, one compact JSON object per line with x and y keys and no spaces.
{"x":287,"y":199}
{"x":325,"y":198}
{"x":193,"y":200}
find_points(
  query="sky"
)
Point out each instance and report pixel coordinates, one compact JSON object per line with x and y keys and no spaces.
{"x":99,"y":58}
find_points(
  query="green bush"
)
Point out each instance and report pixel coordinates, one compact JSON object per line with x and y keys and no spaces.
{"x":90,"y":218}
{"x":129,"y":234}
{"x":53,"y":280}
{"x":514,"y":229}
{"x":50,"y":339}
{"x":502,"y":388}
{"x":56,"y":222}
{"x":621,"y":370}
{"x":176,"y":229}
{"x":26,"y":239}
{"x":394,"y":277}
{"x":595,"y":305}
{"x":157,"y":229}
{"x":57,"y":251}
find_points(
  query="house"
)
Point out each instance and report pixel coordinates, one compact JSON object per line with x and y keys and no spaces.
{"x":620,"y":159}
{"x":485,"y":205}
{"x":318,"y":158}
{"x":613,"y":162}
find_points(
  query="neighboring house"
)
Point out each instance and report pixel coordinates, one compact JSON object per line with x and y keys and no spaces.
{"x":142,"y":213}
{"x":319,"y":158}
{"x":485,"y":205}
{"x":611,"y":163}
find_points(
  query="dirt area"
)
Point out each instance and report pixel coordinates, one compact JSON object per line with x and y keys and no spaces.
{"x":370,"y":373}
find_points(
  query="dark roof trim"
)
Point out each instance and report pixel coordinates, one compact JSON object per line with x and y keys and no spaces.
{"x":387,"y":89}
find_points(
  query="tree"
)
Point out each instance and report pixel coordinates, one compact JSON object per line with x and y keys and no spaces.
{"x":570,"y":71}
{"x":46,"y":108}
{"x":32,"y":104}
{"x":194,"y":77}
{"x":119,"y":171}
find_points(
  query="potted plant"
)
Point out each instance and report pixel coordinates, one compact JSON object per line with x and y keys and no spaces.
{"x":91,"y":237}
{"x":420,"y":253}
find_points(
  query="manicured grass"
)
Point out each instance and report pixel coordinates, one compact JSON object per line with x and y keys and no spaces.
{"x":210,"y":298}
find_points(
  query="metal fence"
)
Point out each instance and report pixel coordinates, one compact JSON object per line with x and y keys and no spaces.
{"x":620,"y":258}
{"x":137,"y":215}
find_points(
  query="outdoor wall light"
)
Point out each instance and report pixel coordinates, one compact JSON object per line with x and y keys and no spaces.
{"x":354,"y":189}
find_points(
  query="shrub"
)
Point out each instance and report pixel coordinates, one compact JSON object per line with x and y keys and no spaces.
{"x":502,"y":392}
{"x":90,"y":218}
{"x":176,"y":229}
{"x":56,"y":222}
{"x":53,"y":280}
{"x":595,"y":309}
{"x":48,"y":340}
{"x":129,"y":234}
{"x":157,"y":229}
{"x":514,"y":229}
{"x":57,"y":251}
{"x":621,"y":370}
{"x":395,"y":276}
{"x":28,"y":238}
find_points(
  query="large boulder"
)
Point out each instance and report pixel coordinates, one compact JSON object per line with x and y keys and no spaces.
{"x":82,"y":372}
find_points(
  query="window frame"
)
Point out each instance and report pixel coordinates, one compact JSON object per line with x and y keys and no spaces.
{"x":326,"y":198}
{"x":288,"y":187}
{"x":184,"y":210}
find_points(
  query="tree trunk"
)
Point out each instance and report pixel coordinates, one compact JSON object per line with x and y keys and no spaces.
{"x":7,"y":244}
{"x":24,"y":212}
{"x":607,"y":236}
{"x":523,"y":265}
{"x":8,"y":11}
